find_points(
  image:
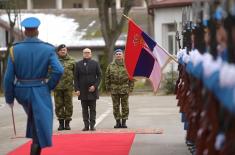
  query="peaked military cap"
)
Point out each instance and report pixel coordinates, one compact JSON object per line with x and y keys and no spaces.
{"x":31,"y":22}
{"x":219,"y":14}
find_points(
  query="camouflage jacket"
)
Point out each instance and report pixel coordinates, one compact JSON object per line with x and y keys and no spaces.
{"x":67,"y":80}
{"x":116,"y":79}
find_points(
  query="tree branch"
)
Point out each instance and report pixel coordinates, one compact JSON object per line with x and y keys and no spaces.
{"x":104,"y":19}
{"x":114,"y":15}
{"x":127,"y":7}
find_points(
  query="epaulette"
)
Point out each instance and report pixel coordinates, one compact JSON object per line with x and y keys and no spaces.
{"x":49,"y":44}
{"x":15,"y":43}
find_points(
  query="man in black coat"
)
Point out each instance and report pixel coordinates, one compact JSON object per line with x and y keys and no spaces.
{"x":87,"y":79}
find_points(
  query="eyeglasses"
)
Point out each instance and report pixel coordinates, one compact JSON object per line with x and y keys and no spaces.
{"x":118,"y":54}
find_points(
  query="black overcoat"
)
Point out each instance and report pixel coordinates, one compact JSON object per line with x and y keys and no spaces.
{"x":87,"y":73}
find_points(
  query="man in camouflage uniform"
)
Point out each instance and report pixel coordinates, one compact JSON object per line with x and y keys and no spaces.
{"x":118,"y":83}
{"x":63,"y":93}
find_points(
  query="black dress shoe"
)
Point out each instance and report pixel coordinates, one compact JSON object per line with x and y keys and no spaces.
{"x":92,"y":128}
{"x":85,"y":129}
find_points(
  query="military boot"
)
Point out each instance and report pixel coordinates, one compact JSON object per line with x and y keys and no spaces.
{"x":118,"y":123}
{"x":124,"y":123}
{"x":67,"y":127}
{"x":35,"y":149}
{"x":61,"y":126}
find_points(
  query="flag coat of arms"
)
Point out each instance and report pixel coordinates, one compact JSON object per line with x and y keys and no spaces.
{"x":143,"y":56}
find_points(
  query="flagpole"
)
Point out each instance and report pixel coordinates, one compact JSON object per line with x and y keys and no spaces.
{"x":169,"y":54}
{"x":126,"y":16}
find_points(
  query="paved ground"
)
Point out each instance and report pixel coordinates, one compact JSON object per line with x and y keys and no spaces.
{"x":146,"y":111}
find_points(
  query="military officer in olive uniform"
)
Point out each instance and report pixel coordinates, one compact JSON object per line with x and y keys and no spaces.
{"x":118,"y":83}
{"x":63,"y":93}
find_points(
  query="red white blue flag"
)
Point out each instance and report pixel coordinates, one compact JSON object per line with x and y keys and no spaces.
{"x":143,"y":56}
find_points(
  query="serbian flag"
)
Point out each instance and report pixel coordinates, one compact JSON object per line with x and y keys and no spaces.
{"x":143,"y":56}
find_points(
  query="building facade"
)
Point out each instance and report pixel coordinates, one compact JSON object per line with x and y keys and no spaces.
{"x":167,"y":16}
{"x":77,"y":28}
{"x":65,"y":4}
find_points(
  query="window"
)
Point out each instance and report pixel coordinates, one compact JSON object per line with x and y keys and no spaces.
{"x":77,"y":5}
{"x":170,"y":44}
{"x":171,"y":41}
{"x":171,"y":27}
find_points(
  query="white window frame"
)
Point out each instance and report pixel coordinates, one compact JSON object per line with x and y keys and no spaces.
{"x":174,"y":42}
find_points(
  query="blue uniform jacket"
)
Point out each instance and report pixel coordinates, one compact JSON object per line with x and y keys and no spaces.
{"x":24,"y":81}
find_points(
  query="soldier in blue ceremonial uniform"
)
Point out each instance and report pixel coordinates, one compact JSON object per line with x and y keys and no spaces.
{"x":25,"y":80}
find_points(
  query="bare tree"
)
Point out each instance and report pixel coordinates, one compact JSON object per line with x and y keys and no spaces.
{"x":111,"y":27}
{"x":149,"y":19}
{"x":12,"y":11}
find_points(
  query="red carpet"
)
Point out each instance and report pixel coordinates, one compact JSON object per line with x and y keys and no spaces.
{"x":85,"y":144}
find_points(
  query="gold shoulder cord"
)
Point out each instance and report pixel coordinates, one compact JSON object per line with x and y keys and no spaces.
{"x":12,"y":54}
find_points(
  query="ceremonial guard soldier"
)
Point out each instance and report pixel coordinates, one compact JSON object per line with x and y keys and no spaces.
{"x":25,"y":81}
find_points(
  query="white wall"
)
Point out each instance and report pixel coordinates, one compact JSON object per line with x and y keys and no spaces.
{"x":2,"y":37}
{"x":165,"y":16}
{"x":162,"y":17}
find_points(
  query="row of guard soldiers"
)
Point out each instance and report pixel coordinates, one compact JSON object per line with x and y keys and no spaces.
{"x":205,"y":88}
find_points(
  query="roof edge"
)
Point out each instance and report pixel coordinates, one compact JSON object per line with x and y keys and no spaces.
{"x":168,"y":5}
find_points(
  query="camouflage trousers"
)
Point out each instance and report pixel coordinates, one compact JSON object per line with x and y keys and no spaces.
{"x":63,"y":104}
{"x":120,"y":100}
